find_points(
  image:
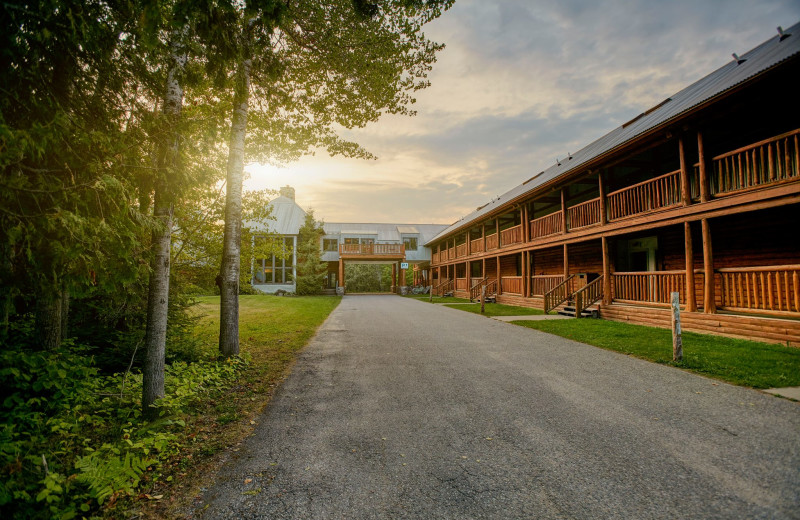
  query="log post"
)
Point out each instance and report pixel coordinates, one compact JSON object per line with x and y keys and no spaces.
{"x":606,"y":272}
{"x":566,"y":262}
{"x":677,"y":341}
{"x":394,"y":277}
{"x":497,"y":230}
{"x":601,"y":186}
{"x":483,"y":299}
{"x":341,"y":272}
{"x":563,"y":210}
{"x":526,"y":274}
{"x":499,"y":285}
{"x":703,"y":181}
{"x":526,"y":226}
{"x":709,"y":302}
{"x":691,"y":299}
{"x":686,"y":192}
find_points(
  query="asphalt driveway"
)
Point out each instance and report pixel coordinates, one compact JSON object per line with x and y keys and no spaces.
{"x":402,"y":409}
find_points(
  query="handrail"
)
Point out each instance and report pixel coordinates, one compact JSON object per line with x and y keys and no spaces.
{"x":558,"y":295}
{"x":656,"y":193}
{"x":512,"y":235}
{"x":475,"y":289}
{"x":766,"y":288}
{"x":549,"y":224}
{"x":584,"y":214}
{"x":756,"y":145}
{"x":441,"y":288}
{"x":540,"y":284}
{"x":511,"y":284}
{"x":587,"y":295}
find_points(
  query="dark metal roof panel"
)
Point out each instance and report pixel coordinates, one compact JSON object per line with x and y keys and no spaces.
{"x":767,"y":55}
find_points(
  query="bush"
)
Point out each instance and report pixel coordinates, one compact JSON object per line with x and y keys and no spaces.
{"x":73,"y":440}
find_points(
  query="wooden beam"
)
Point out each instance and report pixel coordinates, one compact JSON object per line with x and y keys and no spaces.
{"x":526,"y":224}
{"x":497,"y":261}
{"x":563,"y":210}
{"x":394,"y":277}
{"x":686,"y":192}
{"x":709,"y":302}
{"x":601,"y":187}
{"x":566,"y":261}
{"x":703,"y":176}
{"x":606,"y":272}
{"x":341,"y":272}
{"x":691,"y":299}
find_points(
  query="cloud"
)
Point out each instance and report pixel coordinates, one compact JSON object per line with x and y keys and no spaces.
{"x":520,"y":84}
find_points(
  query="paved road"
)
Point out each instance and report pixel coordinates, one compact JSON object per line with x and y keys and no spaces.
{"x":402,"y":409}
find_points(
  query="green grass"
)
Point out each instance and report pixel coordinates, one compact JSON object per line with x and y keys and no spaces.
{"x":737,"y":361}
{"x":437,"y":299}
{"x":498,"y":309}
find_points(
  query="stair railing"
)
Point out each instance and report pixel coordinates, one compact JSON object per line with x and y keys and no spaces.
{"x":475,"y":290}
{"x":491,"y":287}
{"x":587,"y":295}
{"x":559,"y":294}
{"x":443,"y":287}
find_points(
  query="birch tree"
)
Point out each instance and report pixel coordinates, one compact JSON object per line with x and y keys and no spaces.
{"x":319,"y":66}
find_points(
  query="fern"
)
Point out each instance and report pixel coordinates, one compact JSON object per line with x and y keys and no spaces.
{"x":105,"y":473}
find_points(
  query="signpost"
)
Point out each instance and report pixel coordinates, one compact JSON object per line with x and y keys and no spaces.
{"x":677,"y":342}
{"x":403,"y":265}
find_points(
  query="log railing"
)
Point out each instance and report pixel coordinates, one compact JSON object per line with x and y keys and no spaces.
{"x":511,"y":235}
{"x":461,"y":250}
{"x":587,"y":295}
{"x":476,"y":246}
{"x":461,"y":284}
{"x":547,"y":225}
{"x":511,"y":284}
{"x":651,"y":287}
{"x":443,"y":287}
{"x":584,"y":214}
{"x":491,"y":242}
{"x":772,"y":160}
{"x":451,"y":253}
{"x":657,"y":193}
{"x":559,"y":294}
{"x":767,"y":288}
{"x":372,"y":249}
{"x":543,"y":284}
{"x":475,"y":290}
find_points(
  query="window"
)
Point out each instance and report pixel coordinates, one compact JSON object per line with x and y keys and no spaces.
{"x":275,"y":269}
{"x":330,"y":244}
{"x":410,"y":243}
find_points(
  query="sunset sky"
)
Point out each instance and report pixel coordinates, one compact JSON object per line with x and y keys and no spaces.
{"x":520,"y":84}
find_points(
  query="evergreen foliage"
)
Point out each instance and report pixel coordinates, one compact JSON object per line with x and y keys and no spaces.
{"x":311,"y":269}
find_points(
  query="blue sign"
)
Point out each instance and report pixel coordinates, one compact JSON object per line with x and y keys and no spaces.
{"x":403,"y":265}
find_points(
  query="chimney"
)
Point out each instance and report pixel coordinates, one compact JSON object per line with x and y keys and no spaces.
{"x":288,"y":192}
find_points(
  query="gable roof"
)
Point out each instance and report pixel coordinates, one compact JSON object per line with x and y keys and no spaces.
{"x":289,"y":217}
{"x":769,"y":54}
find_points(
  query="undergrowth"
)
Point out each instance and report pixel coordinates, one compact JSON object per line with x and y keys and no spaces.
{"x":74,"y":441}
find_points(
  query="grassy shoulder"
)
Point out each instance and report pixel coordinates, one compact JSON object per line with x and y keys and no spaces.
{"x":498,"y":309}
{"x":436,"y":299}
{"x":737,"y":361}
{"x":272,"y":330}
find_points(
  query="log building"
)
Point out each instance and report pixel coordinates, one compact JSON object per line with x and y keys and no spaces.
{"x":698,"y":195}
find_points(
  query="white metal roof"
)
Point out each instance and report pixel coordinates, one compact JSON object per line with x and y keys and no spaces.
{"x":289,"y":217}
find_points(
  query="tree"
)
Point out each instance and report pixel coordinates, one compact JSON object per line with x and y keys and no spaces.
{"x":311,"y":269}
{"x":320,"y":65}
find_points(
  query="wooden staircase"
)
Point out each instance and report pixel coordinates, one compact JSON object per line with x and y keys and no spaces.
{"x":567,"y":301}
{"x":568,"y":308}
{"x":491,"y":290}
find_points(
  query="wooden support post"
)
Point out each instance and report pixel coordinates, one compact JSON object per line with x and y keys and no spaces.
{"x":606,"y":272}
{"x":691,"y":299}
{"x":709,"y":301}
{"x":601,"y":186}
{"x":497,"y":230}
{"x":394,"y":277}
{"x":341,"y":273}
{"x":526,"y":274}
{"x":402,"y":280}
{"x":703,"y":176}
{"x":677,"y":341}
{"x":563,"y":210}
{"x":499,"y":285}
{"x":468,"y":273}
{"x":686,"y":192}
{"x":566,"y":261}
{"x":483,"y":237}
{"x":526,"y":225}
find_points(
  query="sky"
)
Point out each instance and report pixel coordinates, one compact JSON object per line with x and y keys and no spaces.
{"x":519,"y":84}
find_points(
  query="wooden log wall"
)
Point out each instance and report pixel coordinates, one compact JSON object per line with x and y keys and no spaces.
{"x":768,"y":330}
{"x":548,"y":261}
{"x":586,"y":257}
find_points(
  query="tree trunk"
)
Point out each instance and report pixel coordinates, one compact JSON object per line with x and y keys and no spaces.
{"x":48,"y":319}
{"x":64,"y":314}
{"x":158,"y":295}
{"x":232,"y":240}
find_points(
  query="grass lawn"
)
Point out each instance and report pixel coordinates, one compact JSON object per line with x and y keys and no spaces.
{"x":737,"y":361}
{"x":498,"y":309}
{"x":437,"y":299}
{"x":272,"y":329}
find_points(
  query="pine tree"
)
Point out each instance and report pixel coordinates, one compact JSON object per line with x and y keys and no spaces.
{"x":311,"y":269}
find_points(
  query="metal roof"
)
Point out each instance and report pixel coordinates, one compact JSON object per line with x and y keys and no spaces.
{"x":767,"y":55}
{"x":289,"y":217}
{"x":384,"y":232}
